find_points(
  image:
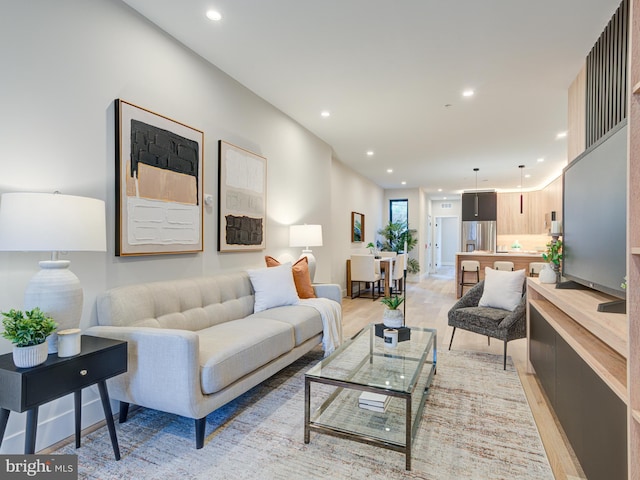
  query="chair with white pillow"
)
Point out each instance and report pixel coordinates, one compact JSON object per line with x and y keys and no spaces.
{"x":495,"y":307}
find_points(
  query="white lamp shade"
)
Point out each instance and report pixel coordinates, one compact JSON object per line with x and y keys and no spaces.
{"x":305,"y":236}
{"x":51,"y":222}
{"x":55,"y":223}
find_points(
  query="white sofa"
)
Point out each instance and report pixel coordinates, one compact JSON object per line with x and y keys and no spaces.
{"x":195,"y":344}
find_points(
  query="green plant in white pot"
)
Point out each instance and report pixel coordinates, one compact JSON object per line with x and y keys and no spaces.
{"x":28,"y":331}
{"x":392,"y":316}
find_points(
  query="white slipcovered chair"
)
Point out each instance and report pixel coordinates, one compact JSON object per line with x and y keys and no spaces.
{"x":398,"y":273}
{"x":364,"y":270}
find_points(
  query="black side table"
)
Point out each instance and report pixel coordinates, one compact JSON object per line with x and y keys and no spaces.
{"x":27,"y":388}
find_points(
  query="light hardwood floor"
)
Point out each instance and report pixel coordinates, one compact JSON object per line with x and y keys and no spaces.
{"x":427,"y":305}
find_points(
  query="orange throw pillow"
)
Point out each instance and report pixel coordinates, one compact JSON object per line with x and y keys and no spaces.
{"x":301,"y":276}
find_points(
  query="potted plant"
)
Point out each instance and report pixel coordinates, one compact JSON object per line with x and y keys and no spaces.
{"x":553,"y":257}
{"x":553,"y":254}
{"x":395,"y":235}
{"x":372,"y":248}
{"x":392,"y":317}
{"x":28,"y":331}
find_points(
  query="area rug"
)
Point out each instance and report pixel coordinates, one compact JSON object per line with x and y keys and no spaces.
{"x":476,"y":425}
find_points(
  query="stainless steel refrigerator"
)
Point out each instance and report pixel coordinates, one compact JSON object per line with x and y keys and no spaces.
{"x":479,"y":235}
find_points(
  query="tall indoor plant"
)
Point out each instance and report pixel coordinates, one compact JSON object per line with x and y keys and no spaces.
{"x":28,"y":331}
{"x":395,"y":234}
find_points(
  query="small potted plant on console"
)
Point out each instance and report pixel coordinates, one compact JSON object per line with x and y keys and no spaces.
{"x":28,"y":331}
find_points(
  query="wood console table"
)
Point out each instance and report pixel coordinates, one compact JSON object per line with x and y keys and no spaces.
{"x":580,"y":358}
{"x":25,"y":389}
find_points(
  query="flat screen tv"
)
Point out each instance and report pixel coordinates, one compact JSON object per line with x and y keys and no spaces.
{"x":594,"y":217}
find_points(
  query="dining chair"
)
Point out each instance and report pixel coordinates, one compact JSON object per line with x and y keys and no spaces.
{"x":363,"y":270}
{"x":398,"y":273}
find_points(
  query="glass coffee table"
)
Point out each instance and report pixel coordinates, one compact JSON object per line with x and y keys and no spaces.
{"x":344,"y":381}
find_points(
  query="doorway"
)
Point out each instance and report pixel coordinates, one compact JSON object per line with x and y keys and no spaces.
{"x":447,"y":234}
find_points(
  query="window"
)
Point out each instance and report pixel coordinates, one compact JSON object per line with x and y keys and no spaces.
{"x":399,"y":211}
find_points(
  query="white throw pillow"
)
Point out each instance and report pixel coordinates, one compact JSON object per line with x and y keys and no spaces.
{"x":273,"y":287}
{"x":502,"y":289}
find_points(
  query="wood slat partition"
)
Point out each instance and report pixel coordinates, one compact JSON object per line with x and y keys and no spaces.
{"x":606,"y":72}
{"x":633,"y":247}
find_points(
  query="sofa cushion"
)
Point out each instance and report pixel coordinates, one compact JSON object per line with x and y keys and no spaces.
{"x":306,"y":321}
{"x":273,"y":287}
{"x":188,"y":304}
{"x":481,"y":317}
{"x":233,"y":349}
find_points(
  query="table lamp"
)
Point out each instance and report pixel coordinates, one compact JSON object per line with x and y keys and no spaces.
{"x":306,"y":236}
{"x":36,"y":222}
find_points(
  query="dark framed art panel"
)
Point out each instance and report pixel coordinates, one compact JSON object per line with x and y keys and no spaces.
{"x":242,"y":199}
{"x":357,"y":227}
{"x":159,"y":178}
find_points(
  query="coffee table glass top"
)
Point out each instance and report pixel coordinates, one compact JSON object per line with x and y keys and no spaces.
{"x":365,"y":360}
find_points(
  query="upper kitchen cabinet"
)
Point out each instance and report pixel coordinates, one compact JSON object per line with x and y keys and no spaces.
{"x":484,"y":208}
{"x":536,"y":210}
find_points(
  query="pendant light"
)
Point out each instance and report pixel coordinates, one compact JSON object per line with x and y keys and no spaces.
{"x":475,"y":200}
{"x":521,"y":167}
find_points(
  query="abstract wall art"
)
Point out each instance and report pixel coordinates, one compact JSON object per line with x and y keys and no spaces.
{"x":159,"y":173}
{"x":242,"y":203}
{"x":357,"y":227}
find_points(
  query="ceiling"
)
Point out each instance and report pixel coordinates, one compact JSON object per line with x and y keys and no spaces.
{"x":392,"y":74}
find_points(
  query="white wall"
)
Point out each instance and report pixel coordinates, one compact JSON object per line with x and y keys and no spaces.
{"x":63,"y":64}
{"x":352,"y":193}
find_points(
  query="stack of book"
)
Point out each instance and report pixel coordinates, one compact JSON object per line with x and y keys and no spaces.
{"x":374,"y":401}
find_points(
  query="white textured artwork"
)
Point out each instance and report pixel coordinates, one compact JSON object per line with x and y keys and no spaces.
{"x":162,"y":223}
{"x":159,"y":186}
{"x":242,"y":199}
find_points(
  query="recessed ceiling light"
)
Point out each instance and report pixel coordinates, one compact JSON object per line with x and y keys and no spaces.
{"x":389,"y":170}
{"x":214,"y":15}
{"x":527,"y":175}
{"x":561,"y":135}
{"x":444,"y":198}
{"x":370,"y":153}
{"x":404,"y":183}
{"x":325,"y":114}
{"x":439,"y":189}
{"x":541,"y":160}
{"x":468,"y":93}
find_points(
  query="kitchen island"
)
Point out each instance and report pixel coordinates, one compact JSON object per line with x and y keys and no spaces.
{"x":520,"y":261}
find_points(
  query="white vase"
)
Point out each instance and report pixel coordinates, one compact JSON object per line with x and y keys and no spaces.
{"x":548,"y":274}
{"x":25,"y":357}
{"x":392,"y":318}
